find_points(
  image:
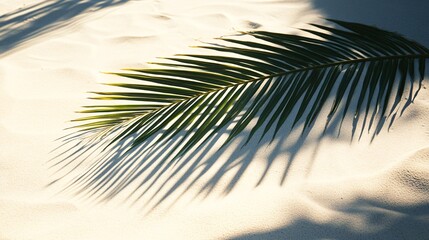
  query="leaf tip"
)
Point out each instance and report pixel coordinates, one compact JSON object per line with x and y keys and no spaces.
{"x":110,"y":73}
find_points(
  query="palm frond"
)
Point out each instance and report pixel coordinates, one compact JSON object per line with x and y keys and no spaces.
{"x":265,"y":78}
{"x":259,"y":80}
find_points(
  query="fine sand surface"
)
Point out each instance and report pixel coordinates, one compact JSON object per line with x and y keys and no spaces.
{"x":322,"y":187}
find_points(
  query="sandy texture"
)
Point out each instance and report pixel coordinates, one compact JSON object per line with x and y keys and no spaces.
{"x":321,"y":187}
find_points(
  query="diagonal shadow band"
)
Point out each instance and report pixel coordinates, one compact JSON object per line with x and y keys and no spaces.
{"x":27,"y":23}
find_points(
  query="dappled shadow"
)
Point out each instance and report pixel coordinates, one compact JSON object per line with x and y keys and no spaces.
{"x":400,"y":222}
{"x":29,"y":22}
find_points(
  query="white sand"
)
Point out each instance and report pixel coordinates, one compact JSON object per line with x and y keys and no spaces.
{"x":332,"y":189}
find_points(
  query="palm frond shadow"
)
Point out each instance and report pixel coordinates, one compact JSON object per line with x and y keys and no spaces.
{"x":150,"y":175}
{"x":265,"y":92}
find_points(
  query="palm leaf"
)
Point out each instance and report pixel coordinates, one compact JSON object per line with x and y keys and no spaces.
{"x":273,"y":78}
{"x":268,"y":78}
